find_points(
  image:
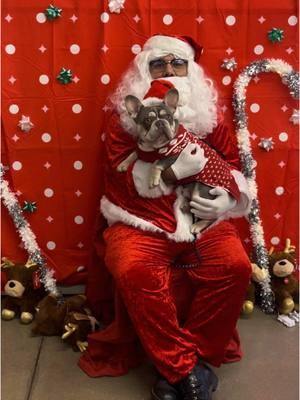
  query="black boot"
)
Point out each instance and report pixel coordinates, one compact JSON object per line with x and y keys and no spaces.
{"x":163,"y":390}
{"x":199,"y":384}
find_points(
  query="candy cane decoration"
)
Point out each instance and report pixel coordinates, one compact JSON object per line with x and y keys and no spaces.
{"x":291,"y":79}
{"x":27,"y":236}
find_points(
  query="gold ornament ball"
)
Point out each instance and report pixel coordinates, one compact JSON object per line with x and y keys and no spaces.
{"x":287,"y":306}
{"x":26,"y":317}
{"x":248,"y":307}
{"x":7,"y":315}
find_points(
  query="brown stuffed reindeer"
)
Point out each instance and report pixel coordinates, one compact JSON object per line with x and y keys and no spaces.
{"x":71,"y":320}
{"x":50,"y":315}
{"x":23,"y":290}
{"x":285,"y":285}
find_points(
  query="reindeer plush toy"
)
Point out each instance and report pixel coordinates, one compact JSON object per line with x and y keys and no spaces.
{"x":72,"y":320}
{"x":23,"y":290}
{"x":284,"y":282}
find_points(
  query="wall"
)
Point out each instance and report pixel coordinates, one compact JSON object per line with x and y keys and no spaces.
{"x":57,"y":163}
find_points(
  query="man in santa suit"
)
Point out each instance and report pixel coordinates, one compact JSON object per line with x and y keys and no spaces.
{"x":148,"y":239}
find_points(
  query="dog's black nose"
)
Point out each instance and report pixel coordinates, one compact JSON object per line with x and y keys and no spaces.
{"x":159,"y":123}
{"x":12,"y":284}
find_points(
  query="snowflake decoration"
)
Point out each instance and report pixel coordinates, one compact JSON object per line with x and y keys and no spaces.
{"x":65,"y":76}
{"x":275,"y":35}
{"x":25,"y":124}
{"x":266,"y":144}
{"x":229,"y":64}
{"x":295,"y":117}
{"x":29,"y":206}
{"x":115,"y":6}
{"x":52,"y":12}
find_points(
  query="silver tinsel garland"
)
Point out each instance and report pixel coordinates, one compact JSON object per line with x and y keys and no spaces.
{"x":27,"y":236}
{"x":291,"y":79}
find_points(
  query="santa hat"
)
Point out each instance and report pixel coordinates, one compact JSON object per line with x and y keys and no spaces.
{"x":181,"y":46}
{"x":157,"y":91}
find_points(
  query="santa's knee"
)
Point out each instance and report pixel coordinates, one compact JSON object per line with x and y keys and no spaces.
{"x":144,"y":278}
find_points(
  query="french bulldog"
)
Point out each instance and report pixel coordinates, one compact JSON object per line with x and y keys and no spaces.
{"x":156,"y":127}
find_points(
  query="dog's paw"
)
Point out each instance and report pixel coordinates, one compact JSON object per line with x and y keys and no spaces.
{"x":195,"y":229}
{"x":154,"y":181}
{"x":199,"y":226}
{"x":122,"y":167}
{"x":153,"y":184}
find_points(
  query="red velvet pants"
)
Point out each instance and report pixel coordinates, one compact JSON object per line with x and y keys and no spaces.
{"x":141,"y":262}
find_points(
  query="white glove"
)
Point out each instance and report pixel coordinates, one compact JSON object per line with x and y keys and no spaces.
{"x":212,"y":208}
{"x":189,"y":162}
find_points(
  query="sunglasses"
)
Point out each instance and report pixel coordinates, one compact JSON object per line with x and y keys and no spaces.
{"x":160,"y":65}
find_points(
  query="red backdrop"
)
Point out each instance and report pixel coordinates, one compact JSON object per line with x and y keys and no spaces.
{"x":57,"y":163}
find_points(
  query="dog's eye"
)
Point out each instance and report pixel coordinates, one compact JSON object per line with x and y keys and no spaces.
{"x":148,"y":120}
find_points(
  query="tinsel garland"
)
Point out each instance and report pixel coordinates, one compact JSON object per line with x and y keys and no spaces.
{"x":27,"y":236}
{"x":291,"y":79}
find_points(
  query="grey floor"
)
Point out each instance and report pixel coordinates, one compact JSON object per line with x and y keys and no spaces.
{"x":35,"y":368}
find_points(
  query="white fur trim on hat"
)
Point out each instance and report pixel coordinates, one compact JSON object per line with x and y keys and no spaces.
{"x":171,"y":45}
{"x":151,"y":101}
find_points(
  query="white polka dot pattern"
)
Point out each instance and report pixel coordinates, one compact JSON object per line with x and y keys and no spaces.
{"x":17,"y":165}
{"x":105,"y":79}
{"x":46,"y":137}
{"x":78,"y":165}
{"x":44,"y":79}
{"x":275,"y":240}
{"x":136,"y":48}
{"x":78,"y":220}
{"x":258,"y":49}
{"x":74,"y":49}
{"x":255,"y":107}
{"x":279,"y":190}
{"x":14,"y":109}
{"x":230,"y":20}
{"x":10,"y":49}
{"x":41,"y":18}
{"x":48,"y":192}
{"x":68,"y":133}
{"x":167,"y":19}
{"x":51,"y":245}
{"x":104,"y":17}
{"x":226,"y":80}
{"x":293,"y":20}
{"x":76,"y":108}
{"x":283,"y":136}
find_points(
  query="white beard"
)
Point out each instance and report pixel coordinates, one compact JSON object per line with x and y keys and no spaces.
{"x":197,"y":109}
{"x":186,"y":111}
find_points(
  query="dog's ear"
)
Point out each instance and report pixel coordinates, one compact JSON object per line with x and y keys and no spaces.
{"x":133,"y":105}
{"x":171,"y":99}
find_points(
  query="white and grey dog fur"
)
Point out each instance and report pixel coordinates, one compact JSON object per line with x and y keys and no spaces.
{"x":155,"y":128}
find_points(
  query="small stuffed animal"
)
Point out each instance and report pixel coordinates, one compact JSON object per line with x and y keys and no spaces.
{"x":71,"y":320}
{"x":23,"y":290}
{"x":50,"y":314}
{"x":285,"y":285}
{"x":258,"y":275}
